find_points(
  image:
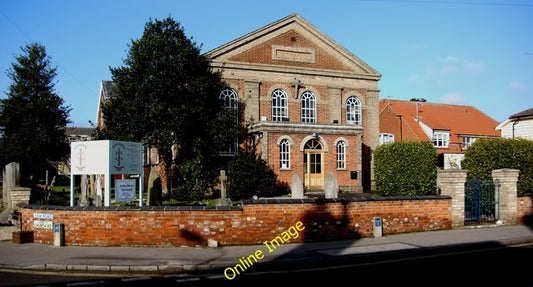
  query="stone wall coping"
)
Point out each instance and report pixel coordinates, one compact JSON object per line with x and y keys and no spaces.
{"x":236,"y":208}
{"x":132,"y":208}
{"x":344,"y":199}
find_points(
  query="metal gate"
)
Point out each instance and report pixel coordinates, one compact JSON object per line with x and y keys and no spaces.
{"x":481,"y":201}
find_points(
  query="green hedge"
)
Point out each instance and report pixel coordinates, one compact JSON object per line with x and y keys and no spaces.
{"x":406,"y":168}
{"x":486,"y":155}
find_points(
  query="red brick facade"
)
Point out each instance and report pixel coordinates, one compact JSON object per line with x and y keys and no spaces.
{"x":254,"y":223}
{"x":524,"y":212}
{"x":293,"y":56}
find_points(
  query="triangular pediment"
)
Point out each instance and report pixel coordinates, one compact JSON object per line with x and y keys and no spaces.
{"x":291,"y":42}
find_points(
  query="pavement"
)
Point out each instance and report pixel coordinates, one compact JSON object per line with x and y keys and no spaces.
{"x":175,"y":260}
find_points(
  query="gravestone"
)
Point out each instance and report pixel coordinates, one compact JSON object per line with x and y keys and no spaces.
{"x":83,"y":190}
{"x":11,"y":180}
{"x":297,"y":186}
{"x":12,"y":192}
{"x":331,"y":187}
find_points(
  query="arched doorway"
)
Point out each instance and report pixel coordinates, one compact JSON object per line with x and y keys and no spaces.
{"x":314,"y":165}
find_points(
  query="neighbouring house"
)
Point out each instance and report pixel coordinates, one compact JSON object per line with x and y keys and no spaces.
{"x":311,"y":106}
{"x":519,"y":125}
{"x":80,"y":133}
{"x":451,"y":128}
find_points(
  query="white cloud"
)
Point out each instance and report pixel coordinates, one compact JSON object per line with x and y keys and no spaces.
{"x":443,"y":72}
{"x":518,"y":87}
{"x":453,"y":98}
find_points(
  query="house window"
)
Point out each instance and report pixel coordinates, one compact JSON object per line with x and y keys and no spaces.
{"x":229,"y":100}
{"x":441,"y":139}
{"x":280,"y":109}
{"x":353,"y":111}
{"x":468,"y":141}
{"x":284,"y":154}
{"x":386,"y":138}
{"x":308,"y":107}
{"x":341,"y":155}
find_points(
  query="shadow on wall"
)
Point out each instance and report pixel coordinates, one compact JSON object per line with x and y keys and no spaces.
{"x":325,"y":222}
{"x":192,"y":237}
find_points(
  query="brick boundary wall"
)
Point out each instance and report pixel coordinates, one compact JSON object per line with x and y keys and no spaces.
{"x":252,"y":223}
{"x":524,"y":213}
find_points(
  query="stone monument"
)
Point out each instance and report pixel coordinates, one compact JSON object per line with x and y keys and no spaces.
{"x":297,"y":186}
{"x":331,"y":187}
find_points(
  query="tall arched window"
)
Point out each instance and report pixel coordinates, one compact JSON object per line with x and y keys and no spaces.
{"x":308,"y":107}
{"x":229,"y":100}
{"x":341,"y":155}
{"x":353,"y":111}
{"x":284,"y":154}
{"x":280,"y":107}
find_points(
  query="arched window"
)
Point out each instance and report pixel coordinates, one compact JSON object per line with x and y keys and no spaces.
{"x":353,"y":111}
{"x":280,"y":107}
{"x":308,"y":107}
{"x":229,"y":100}
{"x":341,"y":155}
{"x":284,"y":154}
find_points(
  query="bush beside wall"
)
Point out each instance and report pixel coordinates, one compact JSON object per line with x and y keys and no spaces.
{"x":406,"y":168}
{"x":486,"y":155}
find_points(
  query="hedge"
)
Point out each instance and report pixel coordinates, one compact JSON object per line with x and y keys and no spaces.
{"x":406,"y":168}
{"x":486,"y":155}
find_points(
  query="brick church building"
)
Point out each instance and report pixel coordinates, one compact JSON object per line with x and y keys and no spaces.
{"x":310,"y":104}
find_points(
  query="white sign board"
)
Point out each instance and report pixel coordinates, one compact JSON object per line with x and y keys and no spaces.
{"x":101,"y":157}
{"x":45,"y":216}
{"x":90,"y":157}
{"x":124,"y":190}
{"x":43,"y":224}
{"x":106,"y":157}
{"x":126,"y":158}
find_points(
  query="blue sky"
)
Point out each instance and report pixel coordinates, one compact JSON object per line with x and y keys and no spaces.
{"x":468,"y":52}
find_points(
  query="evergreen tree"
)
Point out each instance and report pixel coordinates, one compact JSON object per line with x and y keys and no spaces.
{"x":33,"y":117}
{"x":166,"y":95}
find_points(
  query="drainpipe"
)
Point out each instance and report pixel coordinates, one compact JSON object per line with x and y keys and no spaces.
{"x":514,"y":124}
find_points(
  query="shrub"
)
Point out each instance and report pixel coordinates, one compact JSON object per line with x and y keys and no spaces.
{"x":406,"y":168}
{"x":485,"y":155}
{"x":249,"y":175}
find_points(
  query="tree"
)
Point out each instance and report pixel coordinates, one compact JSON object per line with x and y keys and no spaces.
{"x":165,"y":96}
{"x":249,"y":175}
{"x":33,"y":117}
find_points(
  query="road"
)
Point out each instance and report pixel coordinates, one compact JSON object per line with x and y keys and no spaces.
{"x":476,"y":265}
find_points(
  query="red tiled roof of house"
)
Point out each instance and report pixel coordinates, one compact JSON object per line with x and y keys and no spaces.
{"x":458,"y":119}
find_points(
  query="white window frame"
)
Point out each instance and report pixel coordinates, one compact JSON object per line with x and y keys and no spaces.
{"x":385,"y":138}
{"x":229,"y":100}
{"x":285,"y":154}
{"x":341,"y":154}
{"x":353,"y":111}
{"x":441,"y":139}
{"x":280,"y":105}
{"x":308,"y":107}
{"x":468,"y":141}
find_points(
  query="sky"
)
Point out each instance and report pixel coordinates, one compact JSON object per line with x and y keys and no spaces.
{"x":466,"y":52}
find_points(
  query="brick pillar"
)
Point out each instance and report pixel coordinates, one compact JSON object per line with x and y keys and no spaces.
{"x":508,"y":179}
{"x":452,"y":183}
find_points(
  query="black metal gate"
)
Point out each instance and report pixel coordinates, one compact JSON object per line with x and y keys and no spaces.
{"x":481,"y":201}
